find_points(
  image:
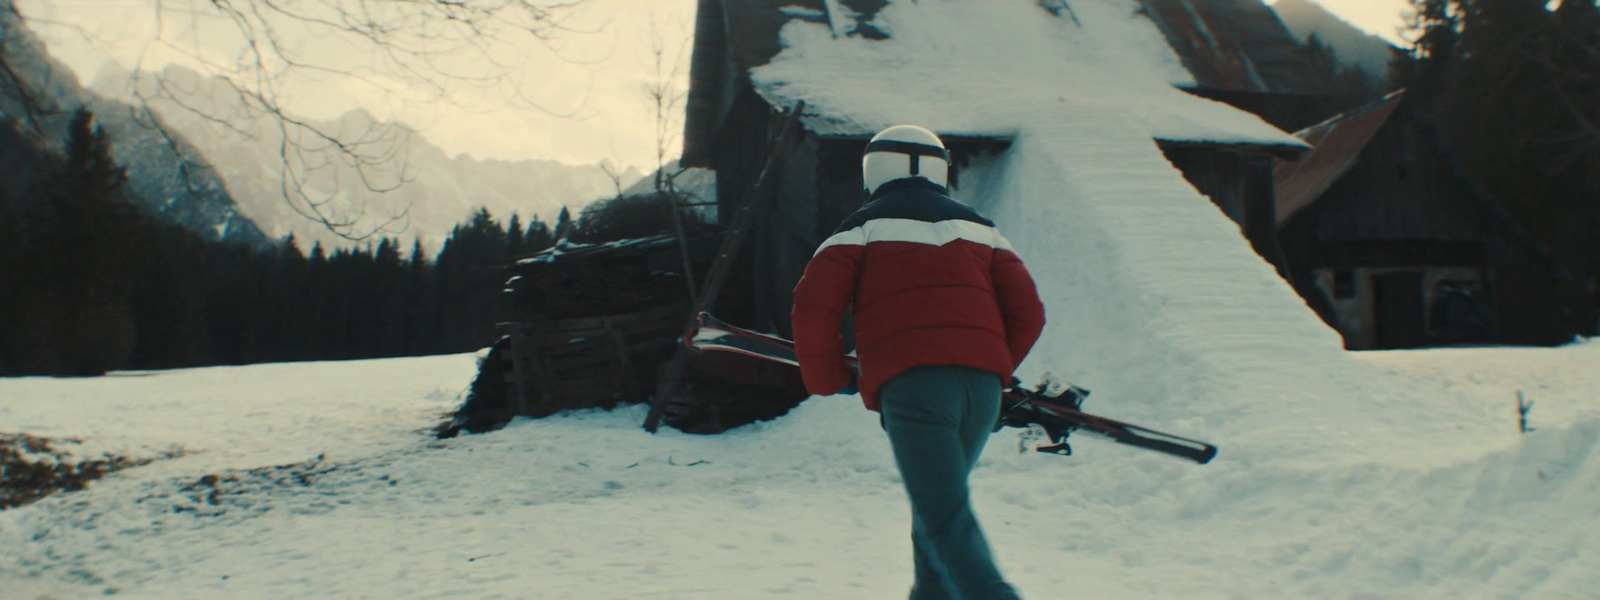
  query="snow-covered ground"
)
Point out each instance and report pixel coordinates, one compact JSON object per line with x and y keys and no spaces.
{"x":587,"y":505}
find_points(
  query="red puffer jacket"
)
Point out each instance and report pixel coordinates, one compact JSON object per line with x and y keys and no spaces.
{"x":929,"y":281}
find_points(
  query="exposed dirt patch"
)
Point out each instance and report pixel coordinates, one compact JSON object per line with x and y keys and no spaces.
{"x":253,"y":487}
{"x":33,"y":467}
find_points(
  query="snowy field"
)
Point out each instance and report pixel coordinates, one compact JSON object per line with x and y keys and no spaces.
{"x":588,"y":505}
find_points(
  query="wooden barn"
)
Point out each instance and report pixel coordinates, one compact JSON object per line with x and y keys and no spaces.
{"x":1235,"y":51}
{"x":1395,"y":245}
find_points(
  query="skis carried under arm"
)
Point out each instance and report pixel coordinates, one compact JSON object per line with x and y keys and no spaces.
{"x":1057,"y":412}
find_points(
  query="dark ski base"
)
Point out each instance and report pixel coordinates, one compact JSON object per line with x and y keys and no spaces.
{"x":1056,"y":410}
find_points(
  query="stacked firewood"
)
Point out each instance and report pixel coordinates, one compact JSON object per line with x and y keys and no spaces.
{"x":599,"y":322}
{"x":723,"y":390}
{"x":584,"y":280}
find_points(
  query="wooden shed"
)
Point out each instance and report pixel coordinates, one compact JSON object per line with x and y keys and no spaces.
{"x":1396,"y":246}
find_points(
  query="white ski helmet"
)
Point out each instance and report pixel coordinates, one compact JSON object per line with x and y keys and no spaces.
{"x":904,"y":151}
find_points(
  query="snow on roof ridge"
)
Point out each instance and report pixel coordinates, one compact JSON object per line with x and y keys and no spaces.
{"x":940,"y":70}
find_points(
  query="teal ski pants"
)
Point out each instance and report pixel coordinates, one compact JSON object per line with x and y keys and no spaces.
{"x":938,"y":419}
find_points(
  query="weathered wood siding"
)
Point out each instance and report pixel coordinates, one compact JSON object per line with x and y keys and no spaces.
{"x":1405,"y":215}
{"x":788,"y":235}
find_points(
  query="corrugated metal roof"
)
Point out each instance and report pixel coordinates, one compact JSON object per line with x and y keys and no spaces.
{"x":1236,"y":45}
{"x":1336,"y":145}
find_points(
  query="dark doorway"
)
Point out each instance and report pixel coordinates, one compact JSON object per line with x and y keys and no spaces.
{"x":1399,"y":309}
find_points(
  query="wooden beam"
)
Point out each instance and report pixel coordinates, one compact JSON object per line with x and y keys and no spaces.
{"x":732,"y":241}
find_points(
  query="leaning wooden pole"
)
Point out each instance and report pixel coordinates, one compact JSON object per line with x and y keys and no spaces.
{"x":683,"y":238}
{"x":732,"y":241}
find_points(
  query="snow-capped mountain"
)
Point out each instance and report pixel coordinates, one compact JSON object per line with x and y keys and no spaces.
{"x":1354,"y":47}
{"x":431,"y":191}
{"x":166,"y":176}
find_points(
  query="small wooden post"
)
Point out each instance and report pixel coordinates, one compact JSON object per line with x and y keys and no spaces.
{"x":732,"y":241}
{"x":537,"y":369}
{"x":629,"y":380}
{"x":1522,"y":413}
{"x":519,"y":370}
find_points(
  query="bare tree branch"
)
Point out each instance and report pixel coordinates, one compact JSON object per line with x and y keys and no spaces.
{"x":471,"y":54}
{"x":35,"y":105}
{"x":665,"y":94}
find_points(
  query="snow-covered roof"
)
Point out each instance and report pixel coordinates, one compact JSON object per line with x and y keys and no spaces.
{"x":976,"y":68}
{"x":566,"y":249}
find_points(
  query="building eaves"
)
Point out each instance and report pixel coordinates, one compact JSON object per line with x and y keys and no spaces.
{"x":1336,"y":145}
{"x":731,"y":37}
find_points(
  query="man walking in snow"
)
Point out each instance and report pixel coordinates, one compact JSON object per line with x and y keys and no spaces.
{"x":944,"y":311}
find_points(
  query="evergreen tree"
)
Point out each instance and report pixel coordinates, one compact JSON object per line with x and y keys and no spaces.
{"x":516,"y":239}
{"x":87,"y":224}
{"x":419,"y":258}
{"x":1525,"y":118}
{"x":1349,"y":86}
{"x":289,"y":248}
{"x":390,"y":296}
{"x":20,"y":162}
{"x":538,"y":236}
{"x":207,"y":302}
{"x":15,"y":272}
{"x":563,"y":224}
{"x":289,"y":272}
{"x":422,"y":305}
{"x":470,"y":274}
{"x":1434,"y":26}
{"x":1515,"y":88}
{"x":387,"y":256}
{"x":89,"y":241}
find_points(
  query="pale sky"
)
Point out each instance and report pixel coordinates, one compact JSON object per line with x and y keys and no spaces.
{"x":1378,"y":17}
{"x":595,"y":84}
{"x":601,"y":85}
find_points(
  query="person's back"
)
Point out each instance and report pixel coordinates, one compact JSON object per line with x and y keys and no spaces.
{"x":943,"y":311}
{"x":927,"y":268}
